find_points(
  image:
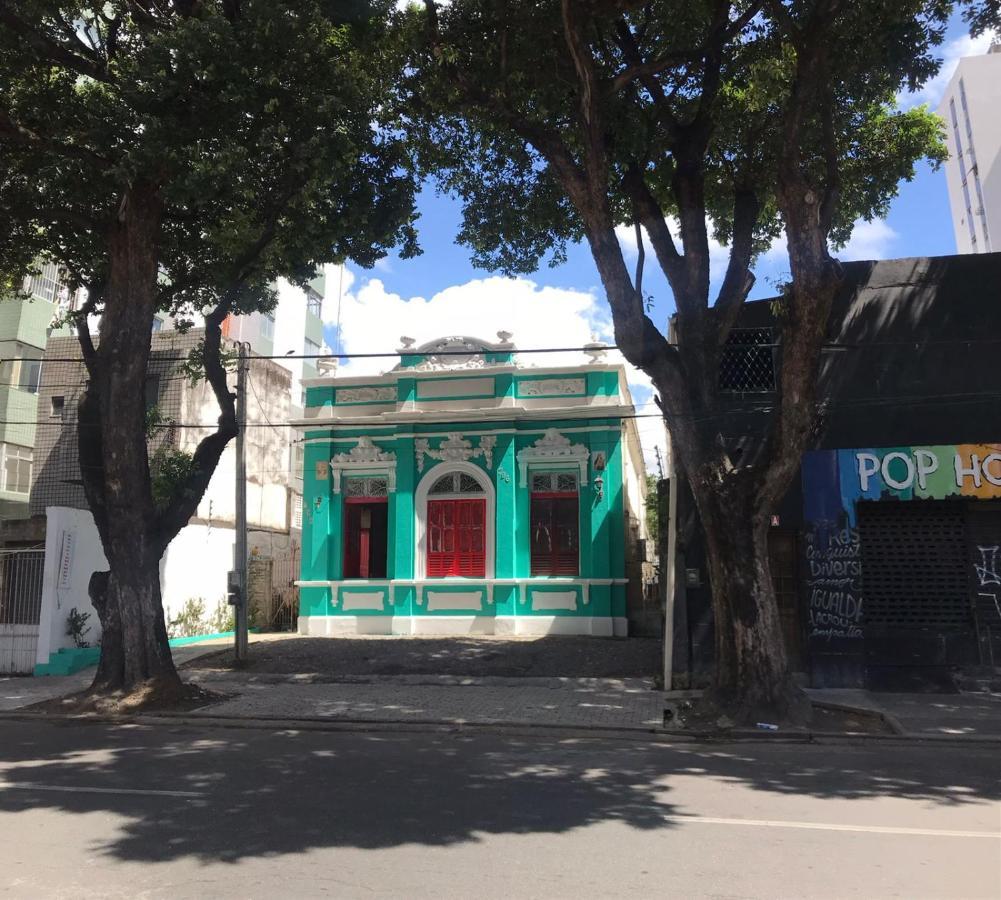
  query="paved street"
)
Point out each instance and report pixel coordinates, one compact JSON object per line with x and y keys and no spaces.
{"x":99,"y":810}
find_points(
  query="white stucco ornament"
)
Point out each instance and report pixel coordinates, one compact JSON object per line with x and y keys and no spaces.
{"x":364,"y":457}
{"x":564,"y":387}
{"x":556,"y":450}
{"x":455,"y":352}
{"x":366,"y":394}
{"x":456,"y":448}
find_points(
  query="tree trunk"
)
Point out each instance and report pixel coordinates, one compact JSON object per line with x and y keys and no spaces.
{"x":752,"y":680}
{"x":114,"y":463}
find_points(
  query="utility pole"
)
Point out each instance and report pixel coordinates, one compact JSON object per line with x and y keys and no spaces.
{"x":240,"y":548}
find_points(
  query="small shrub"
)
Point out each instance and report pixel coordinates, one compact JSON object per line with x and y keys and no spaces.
{"x":77,"y":627}
{"x":223,"y":619}
{"x":190,"y":621}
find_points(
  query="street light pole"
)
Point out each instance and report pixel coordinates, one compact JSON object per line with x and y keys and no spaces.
{"x":240,"y":548}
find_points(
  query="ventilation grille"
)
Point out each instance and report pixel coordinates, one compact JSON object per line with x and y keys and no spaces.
{"x":914,"y":565}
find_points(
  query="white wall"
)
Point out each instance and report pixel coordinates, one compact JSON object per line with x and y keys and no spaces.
{"x":66,"y":576}
{"x":194,"y":567}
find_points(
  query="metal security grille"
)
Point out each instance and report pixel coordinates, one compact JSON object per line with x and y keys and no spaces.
{"x":747,"y":364}
{"x":914,"y":565}
{"x":20,"y":608}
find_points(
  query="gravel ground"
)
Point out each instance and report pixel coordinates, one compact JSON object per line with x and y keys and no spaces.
{"x":548,"y":657}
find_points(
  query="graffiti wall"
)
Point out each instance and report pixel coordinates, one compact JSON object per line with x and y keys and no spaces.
{"x":833,"y":483}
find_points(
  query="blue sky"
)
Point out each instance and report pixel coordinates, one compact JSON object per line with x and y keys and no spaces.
{"x":441,"y":292}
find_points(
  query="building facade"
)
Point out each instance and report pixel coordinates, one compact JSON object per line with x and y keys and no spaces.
{"x":25,"y":324}
{"x":193,"y":570}
{"x":886,"y":551}
{"x":461,"y":493}
{"x":973,"y":135}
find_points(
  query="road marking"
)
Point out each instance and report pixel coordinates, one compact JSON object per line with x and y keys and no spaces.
{"x":74,"y":789}
{"x":833,"y":826}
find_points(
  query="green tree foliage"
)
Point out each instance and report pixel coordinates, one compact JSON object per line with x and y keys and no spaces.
{"x":561,"y":121}
{"x":180,"y":156}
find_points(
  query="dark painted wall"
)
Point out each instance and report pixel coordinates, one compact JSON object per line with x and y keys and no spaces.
{"x":913,"y":358}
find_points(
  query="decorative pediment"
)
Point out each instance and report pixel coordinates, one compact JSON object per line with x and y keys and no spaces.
{"x":553,"y":449}
{"x":456,"y":448}
{"x":455,"y":352}
{"x":365,"y":456}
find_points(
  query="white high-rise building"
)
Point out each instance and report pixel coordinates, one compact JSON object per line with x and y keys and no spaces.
{"x":971,"y":108}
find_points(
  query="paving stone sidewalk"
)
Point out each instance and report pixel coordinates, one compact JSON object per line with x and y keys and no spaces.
{"x":584,"y":703}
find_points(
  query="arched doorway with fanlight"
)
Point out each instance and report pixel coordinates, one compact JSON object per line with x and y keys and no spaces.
{"x":454,"y":506}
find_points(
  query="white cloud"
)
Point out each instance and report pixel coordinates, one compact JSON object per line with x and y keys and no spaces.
{"x":953,"y":51}
{"x":373,"y":319}
{"x":869,"y":240}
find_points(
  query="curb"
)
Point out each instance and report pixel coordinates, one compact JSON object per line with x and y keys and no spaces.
{"x":626,"y":685}
{"x":452,"y":726}
{"x":891,"y":721}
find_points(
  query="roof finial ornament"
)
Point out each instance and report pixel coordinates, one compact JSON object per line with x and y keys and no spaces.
{"x":595,"y":349}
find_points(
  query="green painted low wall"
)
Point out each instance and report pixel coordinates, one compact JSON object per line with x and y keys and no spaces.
{"x":69,"y":660}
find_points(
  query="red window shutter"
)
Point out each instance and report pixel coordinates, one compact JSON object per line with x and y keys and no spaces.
{"x":456,"y":538}
{"x":555,"y":536}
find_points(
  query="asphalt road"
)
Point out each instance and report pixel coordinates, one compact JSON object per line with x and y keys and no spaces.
{"x":113,"y":811}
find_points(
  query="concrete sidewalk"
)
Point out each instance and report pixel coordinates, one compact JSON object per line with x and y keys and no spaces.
{"x":20,"y":691}
{"x":559,"y":702}
{"x":925,"y":715}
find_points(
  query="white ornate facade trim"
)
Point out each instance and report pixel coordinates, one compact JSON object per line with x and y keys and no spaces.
{"x":365,"y":457}
{"x":551,"y":386}
{"x":553,"y":449}
{"x":366,"y":394}
{"x":455,"y":352}
{"x":455,"y":448}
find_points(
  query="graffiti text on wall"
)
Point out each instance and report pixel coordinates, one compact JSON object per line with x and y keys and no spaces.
{"x":834,"y":569}
{"x":988,"y":578}
{"x":929,"y":471}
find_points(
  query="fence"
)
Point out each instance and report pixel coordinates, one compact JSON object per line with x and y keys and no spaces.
{"x":20,"y":609}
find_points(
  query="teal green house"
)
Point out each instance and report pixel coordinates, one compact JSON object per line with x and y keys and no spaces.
{"x":464,"y":493}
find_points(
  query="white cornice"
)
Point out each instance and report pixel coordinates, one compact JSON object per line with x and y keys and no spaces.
{"x":444,"y":417}
{"x":422,"y":374}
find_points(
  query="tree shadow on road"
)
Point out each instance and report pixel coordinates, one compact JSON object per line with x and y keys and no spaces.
{"x":277,"y":793}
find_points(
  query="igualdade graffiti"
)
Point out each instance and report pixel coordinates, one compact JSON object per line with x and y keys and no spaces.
{"x":842,"y":642}
{"x":988,"y":578}
{"x":833,"y":573}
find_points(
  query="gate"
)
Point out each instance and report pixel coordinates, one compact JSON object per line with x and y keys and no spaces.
{"x":274,"y":598}
{"x":20,"y":609}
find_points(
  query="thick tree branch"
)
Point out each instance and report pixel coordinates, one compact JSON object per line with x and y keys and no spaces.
{"x":52,"y":50}
{"x":648,"y":213}
{"x":28,"y":137}
{"x":545,"y":140}
{"x":738,"y":280}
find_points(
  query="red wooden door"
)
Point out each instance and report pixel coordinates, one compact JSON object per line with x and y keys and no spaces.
{"x":456,"y":538}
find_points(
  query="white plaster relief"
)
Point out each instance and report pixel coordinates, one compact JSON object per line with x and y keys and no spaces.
{"x":455,"y":352}
{"x":553,"y":447}
{"x":550,"y":600}
{"x":374,"y":600}
{"x":365,"y":394}
{"x":546,"y":386}
{"x":456,"y":448}
{"x":365,"y":456}
{"x":454,"y":600}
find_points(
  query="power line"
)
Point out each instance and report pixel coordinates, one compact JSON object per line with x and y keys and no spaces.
{"x":155,"y":357}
